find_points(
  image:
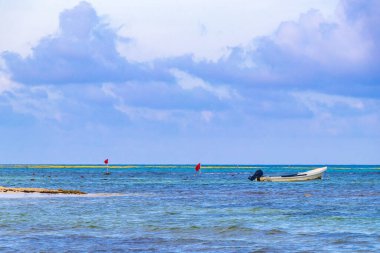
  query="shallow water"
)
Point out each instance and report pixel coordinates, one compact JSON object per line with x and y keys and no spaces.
{"x":168,"y":209}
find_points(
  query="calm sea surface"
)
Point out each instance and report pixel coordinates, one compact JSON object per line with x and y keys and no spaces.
{"x":168,"y":209}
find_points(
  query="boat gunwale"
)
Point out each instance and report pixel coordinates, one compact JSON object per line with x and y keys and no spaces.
{"x":301,"y":176}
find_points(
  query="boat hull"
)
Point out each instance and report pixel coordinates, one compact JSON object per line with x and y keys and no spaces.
{"x":302,"y":176}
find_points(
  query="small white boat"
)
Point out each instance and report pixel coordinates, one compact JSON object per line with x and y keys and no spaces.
{"x":301,"y":176}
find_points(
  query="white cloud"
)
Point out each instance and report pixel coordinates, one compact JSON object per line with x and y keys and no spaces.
{"x":41,"y":102}
{"x":135,"y":112}
{"x":24,"y":23}
{"x":172,"y":31}
{"x":329,"y":42}
{"x":143,"y":111}
{"x":316,"y":101}
{"x":6,"y":85}
{"x":337,"y":114}
{"x":189,"y":82}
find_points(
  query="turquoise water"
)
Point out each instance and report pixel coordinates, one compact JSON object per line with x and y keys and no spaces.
{"x":168,"y":209}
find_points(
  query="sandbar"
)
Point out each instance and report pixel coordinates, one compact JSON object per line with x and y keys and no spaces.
{"x":39,"y":190}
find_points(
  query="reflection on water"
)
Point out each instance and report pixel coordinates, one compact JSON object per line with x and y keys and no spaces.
{"x":169,"y":209}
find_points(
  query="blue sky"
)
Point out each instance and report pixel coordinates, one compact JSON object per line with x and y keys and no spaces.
{"x":193,"y":81}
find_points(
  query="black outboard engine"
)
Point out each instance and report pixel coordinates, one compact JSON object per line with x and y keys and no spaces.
{"x":258,"y":174}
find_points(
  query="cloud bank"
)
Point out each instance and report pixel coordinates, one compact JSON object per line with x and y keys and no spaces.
{"x":82,"y":51}
{"x":312,"y":53}
{"x":312,"y":77}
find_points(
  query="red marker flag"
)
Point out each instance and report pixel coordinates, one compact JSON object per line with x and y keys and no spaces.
{"x":106,"y":161}
{"x":198,"y":167}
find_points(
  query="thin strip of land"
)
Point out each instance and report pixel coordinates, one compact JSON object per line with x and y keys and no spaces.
{"x":39,"y":190}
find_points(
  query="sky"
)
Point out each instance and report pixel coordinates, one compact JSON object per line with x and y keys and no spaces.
{"x":166,"y":82}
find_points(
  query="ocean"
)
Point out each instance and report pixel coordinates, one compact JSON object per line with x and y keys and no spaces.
{"x":167,"y":208}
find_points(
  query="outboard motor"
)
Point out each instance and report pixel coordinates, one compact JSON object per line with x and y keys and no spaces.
{"x":258,"y":174}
